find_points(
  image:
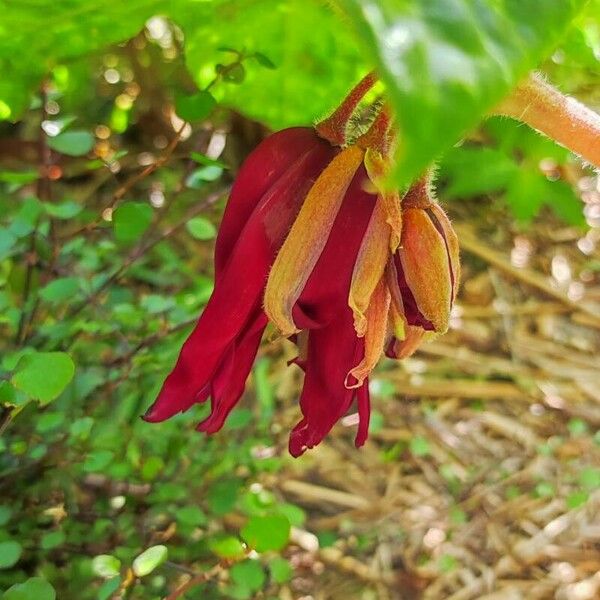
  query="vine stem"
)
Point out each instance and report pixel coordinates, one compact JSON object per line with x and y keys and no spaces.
{"x":560,"y":117}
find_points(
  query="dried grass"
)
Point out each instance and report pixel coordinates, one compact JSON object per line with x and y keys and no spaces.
{"x":496,"y":504}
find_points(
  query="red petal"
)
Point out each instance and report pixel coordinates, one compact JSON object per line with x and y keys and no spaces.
{"x":264,"y":166}
{"x":230,"y":379}
{"x":238,"y":289}
{"x":326,"y":291}
{"x":334,"y":348}
{"x":332,"y":351}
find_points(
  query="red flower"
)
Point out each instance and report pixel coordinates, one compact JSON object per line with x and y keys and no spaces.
{"x":345,"y":270}
{"x":217,"y":357}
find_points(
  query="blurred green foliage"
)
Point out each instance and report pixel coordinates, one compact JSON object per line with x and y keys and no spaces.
{"x":99,"y":286}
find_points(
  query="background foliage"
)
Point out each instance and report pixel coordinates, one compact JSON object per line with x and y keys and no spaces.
{"x":109,"y":203}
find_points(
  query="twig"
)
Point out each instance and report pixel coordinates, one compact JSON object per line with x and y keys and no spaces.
{"x":196,"y":580}
{"x":159,"y":162}
{"x":318,"y":493}
{"x":148,"y":341}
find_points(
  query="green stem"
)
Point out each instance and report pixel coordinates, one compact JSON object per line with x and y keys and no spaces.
{"x":560,"y":117}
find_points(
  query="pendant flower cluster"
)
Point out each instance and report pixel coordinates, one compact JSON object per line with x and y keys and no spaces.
{"x":312,"y":241}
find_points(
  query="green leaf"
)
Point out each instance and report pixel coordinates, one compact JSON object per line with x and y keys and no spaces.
{"x":152,"y":466}
{"x":108,"y":588}
{"x":98,"y":460}
{"x":264,"y":61}
{"x":72,"y":143}
{"x":106,"y":566}
{"x":63,"y":210}
{"x":43,"y":375}
{"x":475,"y":171}
{"x":130,"y":220}
{"x":577,"y":499}
{"x":60,"y":289}
{"x":207,"y":161}
{"x":525,"y":194}
{"x":447,"y":563}
{"x":52,"y":540}
{"x":200,"y":176}
{"x":589,"y":478}
{"x":281,"y":570}
{"x":227,"y":547}
{"x":419,"y":446}
{"x":201,"y":228}
{"x":10,"y":552}
{"x":81,"y":428}
{"x":446,"y":63}
{"x":7,"y":241}
{"x":269,"y":532}
{"x":7,"y":393}
{"x":149,"y":560}
{"x":234,"y":74}
{"x":191,"y":515}
{"x":544,"y":489}
{"x":34,"y":588}
{"x":248,"y":573}
{"x":577,"y":426}
{"x":223,"y":495}
{"x":294,"y":514}
{"x":19,"y":178}
{"x":196,"y":107}
{"x":300,"y":37}
{"x":5,"y":513}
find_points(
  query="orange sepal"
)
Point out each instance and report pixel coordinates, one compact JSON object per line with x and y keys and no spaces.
{"x":452,"y":245}
{"x":377,"y":321}
{"x":369,"y":267}
{"x":307,"y":238}
{"x":424,"y":258}
{"x":377,"y":168}
{"x":414,"y":337}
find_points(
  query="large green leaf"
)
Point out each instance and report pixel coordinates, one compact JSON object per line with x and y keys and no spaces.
{"x":446,"y":63}
{"x":299,"y":37}
{"x":36,"y":35}
{"x":315,"y":56}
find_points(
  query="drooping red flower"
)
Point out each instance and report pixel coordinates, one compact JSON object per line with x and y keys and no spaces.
{"x":312,"y":241}
{"x":265,"y":199}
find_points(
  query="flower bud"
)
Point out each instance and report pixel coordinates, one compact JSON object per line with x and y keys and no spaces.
{"x":425,"y":272}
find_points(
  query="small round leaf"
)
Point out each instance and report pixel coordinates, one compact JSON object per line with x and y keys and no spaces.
{"x":196,"y":107}
{"x":269,"y":532}
{"x":43,"y":375}
{"x":130,"y":220}
{"x":227,"y":547}
{"x":248,"y":573}
{"x":281,"y":570}
{"x":35,"y":588}
{"x":72,"y":143}
{"x":201,"y":229}
{"x":10,"y":552}
{"x":106,"y":566}
{"x":149,"y":560}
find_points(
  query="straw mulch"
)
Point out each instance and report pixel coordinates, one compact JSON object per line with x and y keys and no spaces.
{"x":481,"y":479}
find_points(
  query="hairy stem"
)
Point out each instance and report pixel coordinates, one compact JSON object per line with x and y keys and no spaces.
{"x":333,"y":128}
{"x":560,"y":117}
